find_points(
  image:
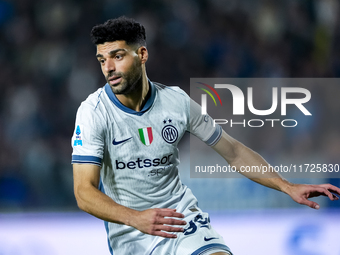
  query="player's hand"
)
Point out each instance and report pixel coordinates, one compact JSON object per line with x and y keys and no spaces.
{"x":301,"y":192}
{"x":156,"y":222}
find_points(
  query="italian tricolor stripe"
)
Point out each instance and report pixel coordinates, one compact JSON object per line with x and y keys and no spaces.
{"x":145,"y":135}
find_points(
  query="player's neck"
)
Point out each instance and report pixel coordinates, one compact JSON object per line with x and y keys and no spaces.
{"x":138,"y":98}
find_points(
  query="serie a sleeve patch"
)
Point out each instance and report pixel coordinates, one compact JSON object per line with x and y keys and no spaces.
{"x":78,"y":136}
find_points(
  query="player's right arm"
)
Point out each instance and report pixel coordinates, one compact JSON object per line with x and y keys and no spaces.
{"x":91,"y":200}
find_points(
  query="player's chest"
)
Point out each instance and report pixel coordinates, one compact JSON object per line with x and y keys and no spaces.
{"x":158,"y":133}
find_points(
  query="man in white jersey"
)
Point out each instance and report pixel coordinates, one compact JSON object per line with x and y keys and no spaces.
{"x":125,"y":155}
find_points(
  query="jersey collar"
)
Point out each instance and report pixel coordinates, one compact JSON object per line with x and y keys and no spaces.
{"x":115,"y":100}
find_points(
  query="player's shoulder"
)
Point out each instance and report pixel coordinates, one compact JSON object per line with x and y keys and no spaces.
{"x":94,"y":100}
{"x":172,"y":90}
{"x":92,"y":107}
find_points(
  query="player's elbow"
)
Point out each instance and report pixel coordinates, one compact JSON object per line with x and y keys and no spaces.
{"x":79,"y":195}
{"x":235,"y":153}
{"x":80,"y":204}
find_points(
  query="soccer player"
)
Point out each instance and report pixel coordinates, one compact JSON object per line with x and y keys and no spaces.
{"x":125,"y":155}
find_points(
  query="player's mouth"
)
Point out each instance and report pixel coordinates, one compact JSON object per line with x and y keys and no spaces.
{"x":114,"y":80}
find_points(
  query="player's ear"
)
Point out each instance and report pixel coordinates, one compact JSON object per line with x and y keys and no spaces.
{"x":143,"y":54}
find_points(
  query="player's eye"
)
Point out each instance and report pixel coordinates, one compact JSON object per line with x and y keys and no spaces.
{"x":101,"y":61}
{"x":118,"y":57}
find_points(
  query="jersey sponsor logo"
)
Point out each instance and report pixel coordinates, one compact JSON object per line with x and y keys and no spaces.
{"x":156,"y":172}
{"x":208,"y":239}
{"x":169,"y":134}
{"x":78,"y":140}
{"x":114,"y":142}
{"x":145,"y":135}
{"x":141,"y":163}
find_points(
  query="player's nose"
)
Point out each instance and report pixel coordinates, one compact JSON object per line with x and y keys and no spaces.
{"x":109,"y":66}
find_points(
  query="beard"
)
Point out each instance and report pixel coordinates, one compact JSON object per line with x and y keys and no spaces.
{"x":131,"y":80}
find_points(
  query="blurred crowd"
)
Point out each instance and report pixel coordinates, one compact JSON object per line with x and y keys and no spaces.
{"x":48,"y":67}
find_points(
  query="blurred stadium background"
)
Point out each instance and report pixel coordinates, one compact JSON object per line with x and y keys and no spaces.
{"x":48,"y":66}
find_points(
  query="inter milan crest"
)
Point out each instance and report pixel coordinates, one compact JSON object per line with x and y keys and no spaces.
{"x":145,"y":135}
{"x":169,"y":132}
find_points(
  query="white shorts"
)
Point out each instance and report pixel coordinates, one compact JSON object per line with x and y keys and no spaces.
{"x":198,"y":238}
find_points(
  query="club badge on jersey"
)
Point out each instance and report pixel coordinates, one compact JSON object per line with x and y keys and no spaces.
{"x":169,"y":132}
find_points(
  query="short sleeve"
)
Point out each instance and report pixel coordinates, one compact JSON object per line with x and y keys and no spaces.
{"x":88,"y":137}
{"x":202,"y":126}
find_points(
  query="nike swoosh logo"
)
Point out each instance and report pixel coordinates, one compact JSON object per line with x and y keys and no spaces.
{"x":114,"y":142}
{"x":208,"y":239}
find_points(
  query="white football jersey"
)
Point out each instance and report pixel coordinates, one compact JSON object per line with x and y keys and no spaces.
{"x":138,"y":154}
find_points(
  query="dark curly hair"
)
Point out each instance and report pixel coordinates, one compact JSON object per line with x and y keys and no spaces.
{"x":122,"y":28}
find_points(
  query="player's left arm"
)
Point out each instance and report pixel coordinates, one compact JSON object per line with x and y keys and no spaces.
{"x":239,"y":155}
